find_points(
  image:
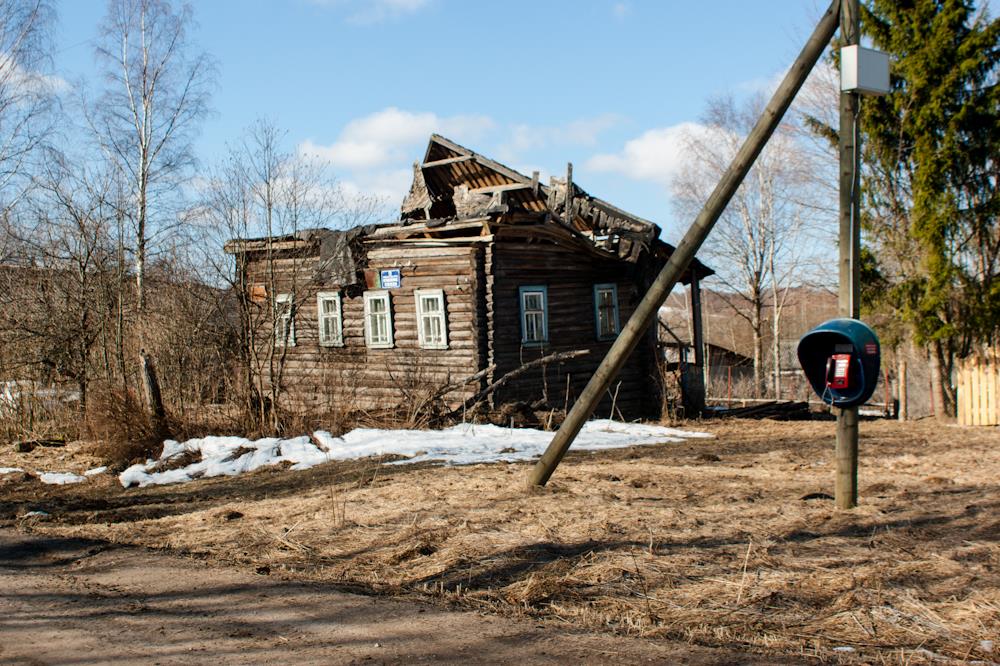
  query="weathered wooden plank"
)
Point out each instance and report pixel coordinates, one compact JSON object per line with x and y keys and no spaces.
{"x":446,"y":162}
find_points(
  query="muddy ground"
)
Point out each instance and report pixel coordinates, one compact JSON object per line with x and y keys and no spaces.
{"x":726,"y":543}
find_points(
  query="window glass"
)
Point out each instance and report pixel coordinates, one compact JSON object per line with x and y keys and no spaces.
{"x":331,"y":325}
{"x":378,"y":319}
{"x":431,"y":318}
{"x":606,"y":310}
{"x":284,"y":320}
{"x":534,"y":315}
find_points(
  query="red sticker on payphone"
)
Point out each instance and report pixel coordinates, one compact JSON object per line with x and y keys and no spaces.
{"x":871,"y":348}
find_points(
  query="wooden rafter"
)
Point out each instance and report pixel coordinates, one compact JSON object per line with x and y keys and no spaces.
{"x":446,"y":162}
{"x":506,"y":187}
{"x":485,"y":161}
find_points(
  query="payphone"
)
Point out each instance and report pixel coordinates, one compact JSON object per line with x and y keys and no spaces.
{"x":841,"y":359}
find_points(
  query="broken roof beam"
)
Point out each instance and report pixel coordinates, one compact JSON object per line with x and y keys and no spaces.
{"x":446,"y":162}
{"x":506,"y":187}
{"x":401,"y":232}
{"x":485,"y":161}
{"x":638,"y":224}
{"x":432,"y":242}
{"x":240,"y":245}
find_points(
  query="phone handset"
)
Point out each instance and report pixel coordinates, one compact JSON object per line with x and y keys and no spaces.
{"x":838,"y":371}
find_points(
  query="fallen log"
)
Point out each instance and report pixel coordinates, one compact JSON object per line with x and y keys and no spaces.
{"x":779,"y":411}
{"x":27,"y":446}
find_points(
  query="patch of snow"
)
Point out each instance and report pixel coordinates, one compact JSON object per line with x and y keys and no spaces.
{"x":35,"y":513}
{"x":465,"y":444}
{"x":10,"y":470}
{"x":870,"y":412}
{"x":986,"y":646}
{"x":96,"y":470}
{"x":60,"y":478}
{"x":843,"y":648}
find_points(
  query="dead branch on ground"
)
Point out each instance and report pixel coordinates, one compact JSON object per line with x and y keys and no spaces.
{"x":557,"y":357}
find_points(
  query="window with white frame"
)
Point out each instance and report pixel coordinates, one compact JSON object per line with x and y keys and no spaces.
{"x":432,"y":320}
{"x":534,"y":315}
{"x":378,"y":319}
{"x":606,"y":310}
{"x":330,"y":320}
{"x":284,"y":320}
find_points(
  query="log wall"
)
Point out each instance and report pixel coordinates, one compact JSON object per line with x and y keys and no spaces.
{"x":480,"y":280}
{"x":354,"y":376}
{"x":570,"y":276}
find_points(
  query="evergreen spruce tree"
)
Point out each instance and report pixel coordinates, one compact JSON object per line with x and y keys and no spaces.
{"x":930,"y":175}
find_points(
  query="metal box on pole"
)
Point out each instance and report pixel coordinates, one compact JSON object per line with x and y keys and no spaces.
{"x":864,"y":71}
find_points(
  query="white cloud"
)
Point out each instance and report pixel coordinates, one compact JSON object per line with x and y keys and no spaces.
{"x":13,"y":75}
{"x":367,"y":12}
{"x":373,"y":153}
{"x":580,"y":132}
{"x":657,"y":155}
{"x":392,"y":136}
{"x":389,"y":184}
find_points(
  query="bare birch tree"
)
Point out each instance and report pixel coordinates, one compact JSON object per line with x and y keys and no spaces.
{"x":758,"y":245}
{"x":157,"y":88}
{"x":264,"y":191}
{"x":26,"y":92}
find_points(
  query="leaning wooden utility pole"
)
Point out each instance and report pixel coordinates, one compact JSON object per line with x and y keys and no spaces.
{"x":678,"y":262}
{"x":846,"y":493}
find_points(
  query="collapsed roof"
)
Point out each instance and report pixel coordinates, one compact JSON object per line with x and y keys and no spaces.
{"x":458,"y":195}
{"x":455,"y":183}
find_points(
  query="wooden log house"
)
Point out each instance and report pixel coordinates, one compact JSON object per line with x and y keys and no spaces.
{"x":487,"y":269}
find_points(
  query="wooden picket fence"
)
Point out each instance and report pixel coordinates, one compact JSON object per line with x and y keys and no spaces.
{"x":979,"y":390}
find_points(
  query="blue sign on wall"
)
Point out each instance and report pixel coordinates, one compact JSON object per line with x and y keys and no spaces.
{"x":390,"y":279}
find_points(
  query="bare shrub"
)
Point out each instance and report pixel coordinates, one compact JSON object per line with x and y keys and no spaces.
{"x":123,"y":430}
{"x":291,"y":423}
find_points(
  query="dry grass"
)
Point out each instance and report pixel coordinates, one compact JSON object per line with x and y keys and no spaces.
{"x":663,"y":541}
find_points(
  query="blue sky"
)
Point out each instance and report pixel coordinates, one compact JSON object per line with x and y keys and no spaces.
{"x":362,"y":83}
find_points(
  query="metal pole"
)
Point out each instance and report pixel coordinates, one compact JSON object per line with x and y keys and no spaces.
{"x":846,"y":489}
{"x":678,"y":262}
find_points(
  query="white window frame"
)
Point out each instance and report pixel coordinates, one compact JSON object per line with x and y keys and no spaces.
{"x":338,"y":330}
{"x":523,"y":292}
{"x":441,"y":315}
{"x":284,"y":335}
{"x":378,"y":295}
{"x":606,"y":287}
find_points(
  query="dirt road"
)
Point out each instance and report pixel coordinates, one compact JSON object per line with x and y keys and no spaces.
{"x":75,"y":601}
